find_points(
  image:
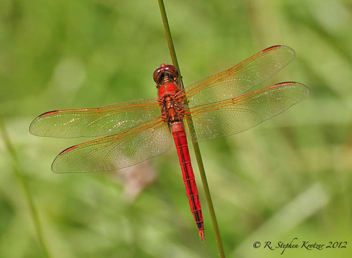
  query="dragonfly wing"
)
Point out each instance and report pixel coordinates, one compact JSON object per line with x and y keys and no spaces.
{"x":246,"y":111}
{"x":71,"y":123}
{"x":239,"y":78}
{"x":116,"y":151}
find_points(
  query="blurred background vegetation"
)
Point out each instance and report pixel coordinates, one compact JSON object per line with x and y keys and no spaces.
{"x":288,"y":177}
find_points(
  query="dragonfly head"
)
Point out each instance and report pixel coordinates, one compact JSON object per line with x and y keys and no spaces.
{"x":165,"y":73}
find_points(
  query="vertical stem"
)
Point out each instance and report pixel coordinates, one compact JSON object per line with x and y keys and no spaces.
{"x":18,"y":173}
{"x":170,"y":43}
{"x":193,"y":135}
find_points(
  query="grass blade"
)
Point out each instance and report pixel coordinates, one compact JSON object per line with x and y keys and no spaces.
{"x":27,"y":193}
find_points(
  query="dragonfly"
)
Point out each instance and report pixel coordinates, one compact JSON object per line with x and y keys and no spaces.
{"x":133,"y":131}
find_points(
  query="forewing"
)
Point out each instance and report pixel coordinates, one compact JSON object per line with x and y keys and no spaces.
{"x":246,"y":111}
{"x":71,"y":123}
{"x":239,"y":78}
{"x":116,"y":151}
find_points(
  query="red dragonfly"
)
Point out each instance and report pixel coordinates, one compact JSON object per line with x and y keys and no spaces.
{"x":141,"y":129}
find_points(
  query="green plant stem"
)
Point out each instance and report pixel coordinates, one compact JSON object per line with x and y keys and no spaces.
{"x":170,"y":43}
{"x":24,"y":185}
{"x":193,"y":135}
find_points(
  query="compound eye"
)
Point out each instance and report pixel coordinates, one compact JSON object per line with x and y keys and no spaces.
{"x":158,"y":76}
{"x":170,"y":69}
{"x":165,"y":70}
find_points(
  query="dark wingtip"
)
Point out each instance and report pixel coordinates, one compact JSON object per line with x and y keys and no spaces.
{"x":297,"y":83}
{"x":68,"y":149}
{"x":53,"y":165}
{"x":279,"y":46}
{"x":31,"y":130}
{"x":271,"y":48}
{"x":49,"y":113}
{"x":285,"y":83}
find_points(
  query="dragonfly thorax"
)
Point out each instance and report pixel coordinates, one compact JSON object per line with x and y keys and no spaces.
{"x":171,"y":107}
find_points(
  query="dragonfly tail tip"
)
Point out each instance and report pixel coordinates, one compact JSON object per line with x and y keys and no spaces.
{"x":201,"y":235}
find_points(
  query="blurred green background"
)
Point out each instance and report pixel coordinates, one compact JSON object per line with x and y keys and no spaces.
{"x":288,"y":177}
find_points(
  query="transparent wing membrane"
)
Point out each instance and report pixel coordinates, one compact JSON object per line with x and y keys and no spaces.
{"x":246,"y":111}
{"x":116,"y":151}
{"x":239,"y":78}
{"x":71,"y":123}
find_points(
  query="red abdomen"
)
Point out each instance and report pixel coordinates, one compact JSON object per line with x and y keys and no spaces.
{"x":178,"y":132}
